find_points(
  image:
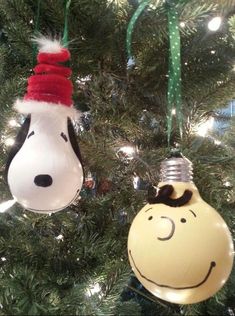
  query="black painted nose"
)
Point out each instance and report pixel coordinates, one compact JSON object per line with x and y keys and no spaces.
{"x":43,"y":180}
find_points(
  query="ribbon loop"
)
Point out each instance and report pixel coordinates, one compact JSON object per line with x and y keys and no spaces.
{"x":65,"y":40}
{"x":174,"y":97}
{"x":36,"y":30}
{"x":131,"y":26}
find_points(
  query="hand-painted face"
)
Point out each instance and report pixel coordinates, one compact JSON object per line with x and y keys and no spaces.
{"x":181,"y":254}
{"x":46,"y":174}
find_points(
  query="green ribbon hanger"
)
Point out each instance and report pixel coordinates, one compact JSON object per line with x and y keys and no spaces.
{"x":174,"y":97}
{"x":36,"y":29}
{"x":130,"y":29}
{"x":65,"y":40}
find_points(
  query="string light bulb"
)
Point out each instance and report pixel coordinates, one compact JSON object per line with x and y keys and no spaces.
{"x":9,"y":142}
{"x":227,"y":184}
{"x":13,"y":123}
{"x":59,"y":237}
{"x":203,"y":128}
{"x":215,"y":23}
{"x":173,"y":112}
{"x":217,"y":142}
{"x":6,"y":205}
{"x":94,"y":289}
{"x":136,"y":182}
{"x":127,"y":152}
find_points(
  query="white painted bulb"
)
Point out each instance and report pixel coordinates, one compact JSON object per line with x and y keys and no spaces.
{"x":44,"y":170}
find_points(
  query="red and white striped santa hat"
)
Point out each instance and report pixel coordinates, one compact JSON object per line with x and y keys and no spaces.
{"x":49,"y":89}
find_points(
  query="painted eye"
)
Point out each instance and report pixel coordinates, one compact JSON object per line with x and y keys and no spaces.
{"x":64,"y":137}
{"x":183,"y":220}
{"x":31,"y":134}
{"x":150,"y":217}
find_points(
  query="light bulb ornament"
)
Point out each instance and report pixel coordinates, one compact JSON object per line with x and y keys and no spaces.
{"x":44,"y":168}
{"x":179,"y":247}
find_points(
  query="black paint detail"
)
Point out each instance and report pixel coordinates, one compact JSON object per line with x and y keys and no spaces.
{"x":64,"y":137}
{"x":212,"y":265}
{"x":172,"y":229}
{"x":166,"y":190}
{"x":19,"y":141}
{"x":150,"y":217}
{"x":183,"y":220}
{"x":148,"y":209}
{"x":193,"y":213}
{"x":73,"y":141}
{"x":43,"y":180}
{"x":164,"y":194}
{"x":184,"y":199}
{"x":31,"y":134}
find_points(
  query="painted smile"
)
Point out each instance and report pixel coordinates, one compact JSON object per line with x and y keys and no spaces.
{"x":212,"y":265}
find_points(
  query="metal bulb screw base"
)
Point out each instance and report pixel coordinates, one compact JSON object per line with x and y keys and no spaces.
{"x":177,"y":168}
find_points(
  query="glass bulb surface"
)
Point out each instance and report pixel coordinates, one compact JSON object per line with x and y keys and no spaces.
{"x":45,"y":173}
{"x":182,"y":254}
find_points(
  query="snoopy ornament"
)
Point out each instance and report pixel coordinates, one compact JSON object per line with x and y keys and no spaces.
{"x":44,"y":169}
{"x":179,"y":247}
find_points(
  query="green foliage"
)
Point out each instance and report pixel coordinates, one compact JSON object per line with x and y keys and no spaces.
{"x":53,"y":263}
{"x":231,"y":23}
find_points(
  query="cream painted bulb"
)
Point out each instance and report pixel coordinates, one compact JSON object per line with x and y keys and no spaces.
{"x":179,"y":247}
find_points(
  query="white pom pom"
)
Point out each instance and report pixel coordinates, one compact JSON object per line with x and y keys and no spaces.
{"x":48,"y":45}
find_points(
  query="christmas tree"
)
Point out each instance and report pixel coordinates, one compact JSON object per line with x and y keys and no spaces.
{"x":75,"y":262}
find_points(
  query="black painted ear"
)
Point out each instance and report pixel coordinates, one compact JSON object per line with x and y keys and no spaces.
{"x":19,"y":141}
{"x":73,"y":140}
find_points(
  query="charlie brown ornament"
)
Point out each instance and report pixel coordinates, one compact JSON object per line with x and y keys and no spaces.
{"x":179,"y":247}
{"x":44,"y":169}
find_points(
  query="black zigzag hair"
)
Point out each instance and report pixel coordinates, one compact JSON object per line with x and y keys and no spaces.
{"x":164,"y":194}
